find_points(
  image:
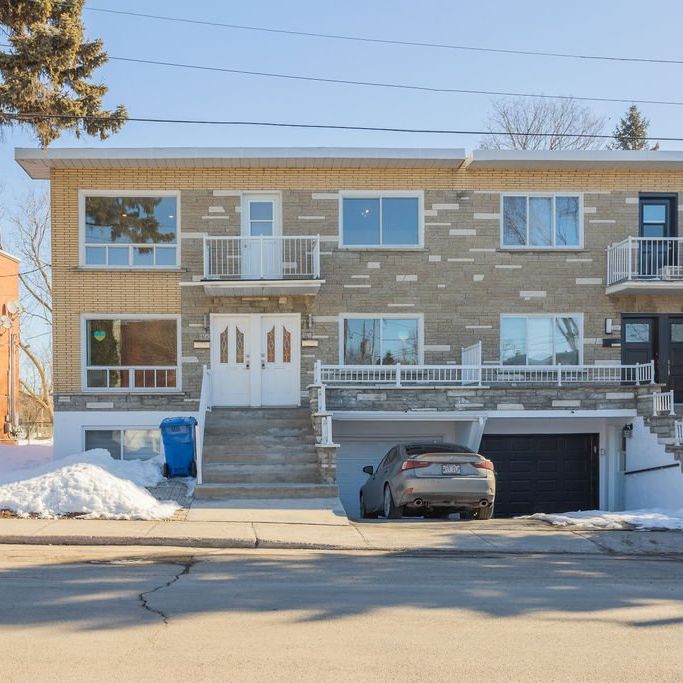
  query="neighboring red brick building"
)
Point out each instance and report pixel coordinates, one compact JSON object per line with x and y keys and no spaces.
{"x":9,"y":347}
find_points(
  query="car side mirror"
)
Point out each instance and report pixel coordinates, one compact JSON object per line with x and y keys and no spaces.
{"x":368,"y":469}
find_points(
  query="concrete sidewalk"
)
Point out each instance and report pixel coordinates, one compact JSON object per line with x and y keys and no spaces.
{"x":322,"y":525}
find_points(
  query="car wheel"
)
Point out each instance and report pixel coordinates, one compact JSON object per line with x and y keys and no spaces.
{"x":164,"y":471}
{"x":193,"y":469}
{"x":364,"y":512}
{"x":484,"y":513}
{"x":391,"y":511}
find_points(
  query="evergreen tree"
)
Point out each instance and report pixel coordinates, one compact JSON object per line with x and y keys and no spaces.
{"x":631,"y":133}
{"x":45,"y":71}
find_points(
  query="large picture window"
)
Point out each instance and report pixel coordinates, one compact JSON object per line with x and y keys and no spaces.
{"x":134,"y":443}
{"x":381,"y":340}
{"x":130,"y":231}
{"x":541,"y":340}
{"x":128,"y":354}
{"x":541,"y":221}
{"x":380,"y":221}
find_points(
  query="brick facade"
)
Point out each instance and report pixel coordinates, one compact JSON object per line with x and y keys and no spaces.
{"x":461,"y":281}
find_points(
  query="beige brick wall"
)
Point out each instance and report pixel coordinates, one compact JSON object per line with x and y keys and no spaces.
{"x":461,"y":298}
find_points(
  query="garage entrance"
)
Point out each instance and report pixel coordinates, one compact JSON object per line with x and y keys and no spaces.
{"x":543,"y":472}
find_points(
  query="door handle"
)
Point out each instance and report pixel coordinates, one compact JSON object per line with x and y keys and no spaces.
{"x":263,"y":362}
{"x":247,"y":364}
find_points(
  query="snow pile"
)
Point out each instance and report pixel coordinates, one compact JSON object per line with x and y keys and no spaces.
{"x":91,"y":484}
{"x":655,"y":518}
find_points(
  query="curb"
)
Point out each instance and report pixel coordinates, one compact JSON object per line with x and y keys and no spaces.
{"x":242,"y":543}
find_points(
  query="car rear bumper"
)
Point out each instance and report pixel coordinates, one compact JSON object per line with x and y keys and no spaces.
{"x":447,"y":492}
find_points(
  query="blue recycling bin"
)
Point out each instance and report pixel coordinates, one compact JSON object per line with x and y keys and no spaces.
{"x":178,"y":434}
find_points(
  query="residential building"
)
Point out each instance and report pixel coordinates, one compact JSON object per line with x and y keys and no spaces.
{"x":527,"y":304}
{"x":9,"y":347}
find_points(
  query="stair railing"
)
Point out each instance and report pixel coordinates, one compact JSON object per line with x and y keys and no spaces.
{"x":678,"y":432}
{"x":663,"y":403}
{"x":204,"y":407}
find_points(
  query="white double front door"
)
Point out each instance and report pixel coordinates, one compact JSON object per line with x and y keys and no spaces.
{"x":255,"y":360}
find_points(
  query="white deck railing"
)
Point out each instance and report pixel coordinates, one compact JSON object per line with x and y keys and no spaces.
{"x":261,"y":258}
{"x":204,"y":407}
{"x":678,"y":432}
{"x":421,"y":375}
{"x":131,"y":377}
{"x":663,"y":403}
{"x":657,"y":259}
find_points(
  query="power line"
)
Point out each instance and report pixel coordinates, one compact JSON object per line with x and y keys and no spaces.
{"x":396,"y":86}
{"x":389,"y":41}
{"x":27,"y":117}
{"x":399,"y":86}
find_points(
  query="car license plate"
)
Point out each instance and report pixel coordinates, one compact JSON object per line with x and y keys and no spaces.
{"x":450,"y":469}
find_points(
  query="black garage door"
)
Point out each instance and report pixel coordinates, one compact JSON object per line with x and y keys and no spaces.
{"x":543,"y":473}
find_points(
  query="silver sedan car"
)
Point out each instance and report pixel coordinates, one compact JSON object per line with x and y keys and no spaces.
{"x":429,"y":479}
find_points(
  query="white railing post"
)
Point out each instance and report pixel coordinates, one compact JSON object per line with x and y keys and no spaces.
{"x":609,"y":265}
{"x":322,"y":401}
{"x":318,"y":372}
{"x":559,"y":374}
{"x":637,"y":374}
{"x":206,"y":257}
{"x":652,"y":371}
{"x":316,"y":258}
{"x":629,"y":271}
{"x":398,"y":374}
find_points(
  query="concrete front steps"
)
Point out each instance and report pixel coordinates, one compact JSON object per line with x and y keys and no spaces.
{"x":263,"y":453}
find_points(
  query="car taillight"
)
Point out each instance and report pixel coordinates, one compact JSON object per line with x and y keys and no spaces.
{"x":414,"y":464}
{"x":483,"y":465}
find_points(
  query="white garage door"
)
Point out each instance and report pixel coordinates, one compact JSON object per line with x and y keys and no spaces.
{"x":366,"y":443}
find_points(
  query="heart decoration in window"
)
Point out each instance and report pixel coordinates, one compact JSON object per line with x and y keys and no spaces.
{"x":99,"y":335}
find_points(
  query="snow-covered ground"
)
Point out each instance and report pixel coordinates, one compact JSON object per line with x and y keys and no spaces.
{"x":92,"y":484}
{"x":654,"y":518}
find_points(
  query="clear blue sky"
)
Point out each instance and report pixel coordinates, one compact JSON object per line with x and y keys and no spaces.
{"x":613,"y":28}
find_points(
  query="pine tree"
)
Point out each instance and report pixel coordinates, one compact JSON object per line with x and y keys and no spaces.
{"x":631,"y":133}
{"x":46,"y":72}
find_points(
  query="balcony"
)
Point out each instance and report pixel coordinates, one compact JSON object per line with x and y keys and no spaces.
{"x":262,"y":266}
{"x":647,"y":265}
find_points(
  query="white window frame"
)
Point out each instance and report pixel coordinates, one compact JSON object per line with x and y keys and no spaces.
{"x":530,"y":247}
{"x":383,"y":316}
{"x":119,"y":428}
{"x":82,"y":194}
{"x":270,"y":195}
{"x":554,"y":316}
{"x":130,"y":390}
{"x":383,"y":194}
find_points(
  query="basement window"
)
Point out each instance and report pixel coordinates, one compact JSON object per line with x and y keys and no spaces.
{"x":134,"y":443}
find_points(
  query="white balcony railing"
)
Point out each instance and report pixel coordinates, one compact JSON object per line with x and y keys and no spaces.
{"x":486,"y":375}
{"x":654,"y":259}
{"x":663,"y":403}
{"x":262,"y":258}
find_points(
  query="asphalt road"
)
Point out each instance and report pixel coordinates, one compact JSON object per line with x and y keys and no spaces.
{"x":142,"y":614}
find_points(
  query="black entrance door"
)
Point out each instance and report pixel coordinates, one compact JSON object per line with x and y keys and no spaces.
{"x":638,"y":340}
{"x":674,"y":356}
{"x":658,"y":222}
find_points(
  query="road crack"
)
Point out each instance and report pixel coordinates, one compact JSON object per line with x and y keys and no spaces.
{"x":184,"y":570}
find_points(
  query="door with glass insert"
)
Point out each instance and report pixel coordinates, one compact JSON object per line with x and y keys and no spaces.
{"x":261,"y":243}
{"x":279,"y":360}
{"x":658,"y":254}
{"x":231,"y":360}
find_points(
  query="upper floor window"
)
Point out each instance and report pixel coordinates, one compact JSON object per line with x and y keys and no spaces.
{"x":382,"y":340}
{"x":541,"y":339}
{"x":381,"y":220}
{"x":130,"y":230}
{"x":541,"y":221}
{"x":131,"y":354}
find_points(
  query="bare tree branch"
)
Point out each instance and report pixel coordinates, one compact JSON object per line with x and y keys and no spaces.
{"x":521,"y":123}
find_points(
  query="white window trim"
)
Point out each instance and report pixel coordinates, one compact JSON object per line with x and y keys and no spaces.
{"x":119,"y":428}
{"x":578,"y":316}
{"x":82,"y":194}
{"x":379,"y":316}
{"x":130,"y":390}
{"x":380,"y":194}
{"x":528,"y":247}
